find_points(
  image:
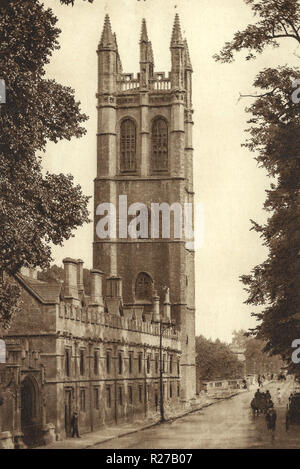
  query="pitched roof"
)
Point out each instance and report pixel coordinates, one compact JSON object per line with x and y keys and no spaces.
{"x":45,"y":292}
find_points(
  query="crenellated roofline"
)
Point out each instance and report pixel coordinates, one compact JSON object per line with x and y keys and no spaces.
{"x":147,"y":78}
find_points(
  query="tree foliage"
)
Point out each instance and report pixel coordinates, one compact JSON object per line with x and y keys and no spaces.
{"x":277,"y":19}
{"x":53,"y":274}
{"x":215,"y":360}
{"x":257,"y":360}
{"x":72,"y":2}
{"x":10,"y":301}
{"x":35,"y":208}
{"x":56,"y":274}
{"x":274,"y":137}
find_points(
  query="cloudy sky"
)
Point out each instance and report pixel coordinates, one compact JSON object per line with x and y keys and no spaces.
{"x":228,"y":182}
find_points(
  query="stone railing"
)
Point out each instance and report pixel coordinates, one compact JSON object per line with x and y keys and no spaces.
{"x":89,"y":315}
{"x":160,"y":85}
{"x":221,"y":386}
{"x":160,"y":82}
{"x":128,"y":82}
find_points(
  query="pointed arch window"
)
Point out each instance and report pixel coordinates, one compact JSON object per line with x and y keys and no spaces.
{"x":128,"y":146}
{"x":143,"y":287}
{"x":160,"y":145}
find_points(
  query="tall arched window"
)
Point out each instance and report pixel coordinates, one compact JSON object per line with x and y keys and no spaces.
{"x":128,"y":146}
{"x":160,"y":145}
{"x":143,"y":287}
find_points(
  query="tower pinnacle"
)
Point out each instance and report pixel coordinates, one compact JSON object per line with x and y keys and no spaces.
{"x":146,"y":58}
{"x":176,"y":39}
{"x":145,"y":45}
{"x":144,"y":34}
{"x":188,"y":64}
{"x":119,"y":63}
{"x":107,"y":38}
{"x":151,"y":57}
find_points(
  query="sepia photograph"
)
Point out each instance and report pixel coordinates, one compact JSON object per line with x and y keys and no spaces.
{"x":149,"y":227}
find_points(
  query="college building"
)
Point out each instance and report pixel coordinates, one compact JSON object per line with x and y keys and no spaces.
{"x":101,"y":353}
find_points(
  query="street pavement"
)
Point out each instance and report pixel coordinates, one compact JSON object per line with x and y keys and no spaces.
{"x":225,"y":425}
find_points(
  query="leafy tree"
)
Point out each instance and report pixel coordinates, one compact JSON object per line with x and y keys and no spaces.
{"x":52,"y":275}
{"x":277,"y":19}
{"x":10,"y":301}
{"x":257,"y":361}
{"x":239,"y":339}
{"x":35,"y":208}
{"x":72,"y":2}
{"x":56,"y":274}
{"x":215,"y":360}
{"x":274,"y":136}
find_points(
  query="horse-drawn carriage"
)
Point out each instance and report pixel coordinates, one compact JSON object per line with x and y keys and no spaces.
{"x":261,"y":403}
{"x":293,"y":410}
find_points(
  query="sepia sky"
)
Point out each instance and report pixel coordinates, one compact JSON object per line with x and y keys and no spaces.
{"x":227,"y":180}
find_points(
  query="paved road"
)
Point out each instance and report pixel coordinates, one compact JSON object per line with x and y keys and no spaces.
{"x":227,"y":424}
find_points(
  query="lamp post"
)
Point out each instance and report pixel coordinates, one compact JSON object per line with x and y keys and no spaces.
{"x":163,"y":326}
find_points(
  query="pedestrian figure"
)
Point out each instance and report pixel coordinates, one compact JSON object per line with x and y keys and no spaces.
{"x":256,"y":403}
{"x":257,"y":395}
{"x":279,"y":395}
{"x":269,"y":402}
{"x":74,"y":424}
{"x":259,"y":381}
{"x":271,"y":417}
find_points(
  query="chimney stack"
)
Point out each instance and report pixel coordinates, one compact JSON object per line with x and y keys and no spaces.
{"x":96,"y":277}
{"x":80,"y":284}
{"x":70,"y":284}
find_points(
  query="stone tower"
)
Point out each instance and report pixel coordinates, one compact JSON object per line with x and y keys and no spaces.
{"x":145,"y":152}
